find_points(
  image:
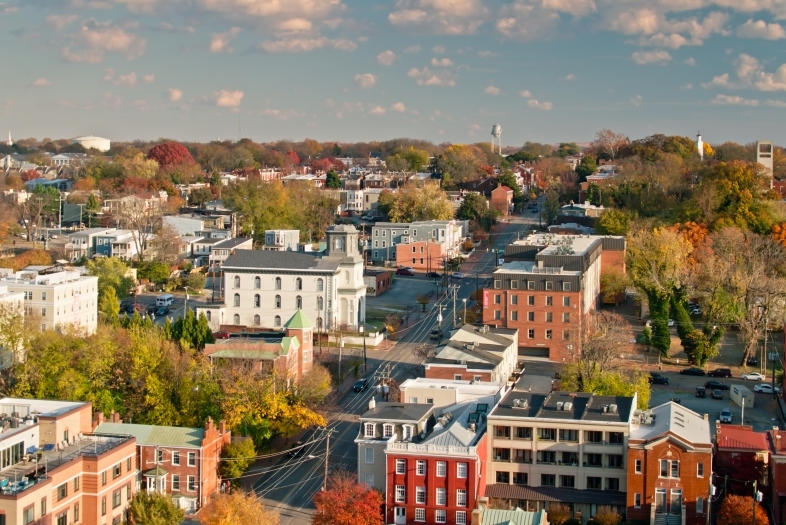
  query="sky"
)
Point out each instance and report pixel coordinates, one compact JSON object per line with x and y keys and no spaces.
{"x":362,"y":70}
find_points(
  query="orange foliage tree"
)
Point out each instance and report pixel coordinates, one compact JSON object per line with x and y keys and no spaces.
{"x":25,"y":259}
{"x":739,"y":509}
{"x":347,"y":502}
{"x":238,"y":507}
{"x":779,"y":232}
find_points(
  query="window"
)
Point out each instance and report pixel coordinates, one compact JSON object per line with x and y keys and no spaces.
{"x":368,"y":430}
{"x":298,"y":284}
{"x":615,"y":460}
{"x":675,"y":469}
{"x":369,"y":479}
{"x":549,"y":300}
{"x":387,"y":430}
{"x":523,"y":432}
{"x":401,"y":466}
{"x":420,"y":514}
{"x":612,"y":484}
{"x":568,"y":435}
{"x":531,"y":300}
{"x":497,"y":299}
{"x":547,"y":456}
{"x":699,"y":505}
{"x":616,"y":438}
{"x":76,"y":483}
{"x":549,"y":285}
{"x":175,"y":457}
{"x":440,"y":516}
{"x":76,"y":511}
{"x":566,"y":301}
{"x":320,"y":303}
{"x":401,"y":493}
{"x":594,"y":482}
{"x":429,"y":400}
{"x":176,"y":482}
{"x":503,"y":477}
{"x":566,"y":335}
{"x":501,"y":431}
{"x":664,"y":468}
{"x":117,"y":498}
{"x":43,"y":312}
{"x":637,"y":500}
{"x":277,"y":301}
{"x":236,"y":300}
{"x":548,"y":434}
{"x":103,"y":476}
{"x":514,"y":285}
{"x":159,"y":458}
{"x":298,"y":302}
{"x":420,"y":495}
{"x":548,"y":480}
{"x":192,"y":459}
{"x":567,"y":481}
{"x":191,"y":483}
{"x":549,"y":334}
{"x":236,"y":319}
{"x":116,"y":471}
{"x":549,"y":317}
{"x":565,"y":287}
{"x":514,"y":299}
{"x":62,"y":519}
{"x":496,"y":315}
{"x":700,"y":470}
{"x":566,"y":317}
{"x":461,"y":470}
{"x":277,"y":320}
{"x":103,"y":506}
{"x":320,"y":285}
{"x":420,"y":469}
{"x":28,"y":516}
{"x":461,"y":517}
{"x":277,"y":284}
{"x":442,"y":469}
{"x":62,"y":491}
{"x":461,"y":498}
{"x":514,"y":316}
{"x":369,"y":455}
{"x":43,"y":296}
{"x":520,"y":478}
{"x":637,"y":466}
{"x":128,"y":492}
{"x":531,"y":333}
{"x":442,"y":496}
{"x":257,"y":301}
{"x":594,"y":460}
{"x":237,"y":281}
{"x":593,"y":436}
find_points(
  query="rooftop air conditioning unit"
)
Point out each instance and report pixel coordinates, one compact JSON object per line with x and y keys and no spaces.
{"x":517,"y":403}
{"x":613,"y":409}
{"x":560,"y":405}
{"x":567,"y":406}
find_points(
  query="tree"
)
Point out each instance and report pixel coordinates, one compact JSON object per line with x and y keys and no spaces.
{"x":195,"y":282}
{"x":739,"y":510}
{"x":508,"y":178}
{"x":608,"y":144}
{"x":109,"y":306}
{"x":613,"y":283}
{"x":154,"y":271}
{"x":237,"y":507}
{"x":112,"y":273}
{"x":170,"y":153}
{"x":536,"y":149}
{"x":27,"y":258}
{"x":551,"y":206}
{"x":191,"y":332}
{"x":199,"y":196}
{"x":135,"y":215}
{"x":166,"y":244}
{"x":154,"y":508}
{"x":425,"y":203}
{"x":558,"y":513}
{"x":236,"y":457}
{"x":347,"y":502}
{"x":607,"y":515}
{"x":586,"y":167}
{"x":614,"y":222}
{"x":460,"y":163}
{"x":313,"y":388}
{"x":138,"y":166}
{"x":392,"y":322}
{"x":474,"y":207}
{"x":332,"y":180}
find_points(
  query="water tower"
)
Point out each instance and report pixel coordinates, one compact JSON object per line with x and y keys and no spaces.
{"x":496,"y":133}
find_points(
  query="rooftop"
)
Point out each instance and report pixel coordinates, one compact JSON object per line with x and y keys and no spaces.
{"x":232,"y":243}
{"x":556,"y":244}
{"x":512,"y":517}
{"x":404,"y":412}
{"x":156,"y":435}
{"x":533,"y":268}
{"x":268,"y":259}
{"x":581,"y":406}
{"x":674,"y":418}
{"x":472,"y":388}
{"x":43,"y":407}
{"x":738,"y":438}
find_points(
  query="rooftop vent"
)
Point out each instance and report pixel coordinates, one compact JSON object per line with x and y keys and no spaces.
{"x":520,"y":403}
{"x":567,"y":406}
{"x":560,"y":405}
{"x":613,"y":408}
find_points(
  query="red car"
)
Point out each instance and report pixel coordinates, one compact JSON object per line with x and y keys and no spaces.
{"x":405,"y":271}
{"x":221,"y":335}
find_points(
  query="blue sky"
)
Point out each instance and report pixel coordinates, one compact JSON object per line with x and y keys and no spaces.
{"x":351,"y":70}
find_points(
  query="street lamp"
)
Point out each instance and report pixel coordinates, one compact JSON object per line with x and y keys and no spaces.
{"x":363,"y":335}
{"x":465,"y":309}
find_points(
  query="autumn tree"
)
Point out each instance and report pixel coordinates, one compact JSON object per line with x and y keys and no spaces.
{"x":614,"y":222}
{"x":237,"y":507}
{"x":558,"y":513}
{"x":236,"y":457}
{"x":779,"y":233}
{"x":112,"y":273}
{"x":613,"y":283}
{"x":607,"y":144}
{"x":170,"y":153}
{"x":460,"y":163}
{"x":474,"y":207}
{"x":551,"y":206}
{"x":138,"y":166}
{"x":140,"y":219}
{"x":154,"y":508}
{"x":424,"y":203}
{"x":166,"y":244}
{"x":313,"y":388}
{"x":109,"y":306}
{"x":739,"y":510}
{"x":347,"y":502}
{"x":607,"y":515}
{"x":27,"y":258}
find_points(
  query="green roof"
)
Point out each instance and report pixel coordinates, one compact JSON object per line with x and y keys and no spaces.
{"x":156,"y":435}
{"x":511,"y":517}
{"x":157,"y":472}
{"x":261,"y":355}
{"x":288,"y":343}
{"x":299,"y":321}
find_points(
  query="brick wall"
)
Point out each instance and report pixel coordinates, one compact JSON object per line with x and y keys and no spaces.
{"x":611,"y":259}
{"x":450,"y":372}
{"x":426,"y":257}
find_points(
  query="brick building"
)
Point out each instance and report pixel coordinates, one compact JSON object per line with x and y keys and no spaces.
{"x":422,"y":256}
{"x":545,"y":288}
{"x":742,"y":454}
{"x":501,"y":200}
{"x":777,"y":473}
{"x":669,"y":466}
{"x":55,"y":471}
{"x":179,"y":461}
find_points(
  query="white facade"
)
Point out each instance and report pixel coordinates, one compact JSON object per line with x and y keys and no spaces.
{"x":282,"y":240}
{"x":353,"y":200}
{"x":764,"y":155}
{"x":92,"y":142}
{"x":62,"y":298}
{"x":184,"y":225}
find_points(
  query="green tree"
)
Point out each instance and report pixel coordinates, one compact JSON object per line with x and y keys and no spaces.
{"x":586,"y":167}
{"x":417,"y":159}
{"x":551,"y":206}
{"x":109,"y":306}
{"x":614,"y":222}
{"x":154,"y":271}
{"x":112,"y":273}
{"x":236,"y":458}
{"x":385,"y":202}
{"x":567,"y":148}
{"x":195,"y":281}
{"x":473,"y":208}
{"x":508,"y":178}
{"x":332,"y":180}
{"x":154,"y":508}
{"x":193,"y":333}
{"x":200,"y":196}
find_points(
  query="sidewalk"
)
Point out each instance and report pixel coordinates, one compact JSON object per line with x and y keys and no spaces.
{"x":468,"y":266}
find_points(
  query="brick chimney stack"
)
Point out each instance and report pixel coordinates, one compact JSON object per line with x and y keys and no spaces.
{"x":209,"y":424}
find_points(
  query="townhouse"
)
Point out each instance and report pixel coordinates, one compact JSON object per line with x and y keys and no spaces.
{"x":446,"y":236}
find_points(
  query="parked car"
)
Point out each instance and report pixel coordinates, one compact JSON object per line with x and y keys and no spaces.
{"x":765,"y":388}
{"x":360,"y":385}
{"x":457,"y":275}
{"x":436,"y":333}
{"x":435,"y":275}
{"x":670,"y":322}
{"x":717,"y":394}
{"x":127,"y":308}
{"x":701,"y":391}
{"x":296,"y":450}
{"x":720,"y":372}
{"x":716,"y":385}
{"x":753,"y":376}
{"x":161,"y":311}
{"x":405,"y":271}
{"x":676,"y":400}
{"x":535,"y":210}
{"x":659,"y":380}
{"x":221,"y":335}
{"x":151,"y":309}
{"x":692,"y":371}
{"x":696,"y":311}
{"x":752,"y":361}
{"x":725,"y":416}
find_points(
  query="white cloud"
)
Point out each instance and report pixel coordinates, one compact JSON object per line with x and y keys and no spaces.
{"x":491,"y":90}
{"x":719,"y":81}
{"x":525,"y":93}
{"x":60,"y":21}
{"x":543,"y":106}
{"x":386,"y":58}
{"x":112,"y":100}
{"x":655,"y":29}
{"x":412,"y":49}
{"x":305,"y":44}
{"x":442,"y":17}
{"x":228,"y":99}
{"x":686,"y":86}
{"x":776,"y":103}
{"x":487,"y":54}
{"x":365,"y":81}
{"x":94,"y":39}
{"x":426,"y":77}
{"x":734,"y":101}
{"x":274,"y":9}
{"x":40,"y":82}
{"x":761,"y":29}
{"x":651,"y":57}
{"x":175,"y":94}
{"x":441,"y":62}
{"x":219,"y":42}
{"x":751,"y":74}
{"x":398,"y":107}
{"x":439,"y":50}
{"x":300,"y":25}
{"x":377,"y":111}
{"x":149,"y":79}
{"x":570,"y":77}
{"x":125,"y":80}
{"x":523,"y":21}
{"x":690,"y":61}
{"x":636,"y":100}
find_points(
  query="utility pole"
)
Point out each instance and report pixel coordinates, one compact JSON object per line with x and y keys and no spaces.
{"x":455,"y":290}
{"x":755,"y":496}
{"x":327,"y":455}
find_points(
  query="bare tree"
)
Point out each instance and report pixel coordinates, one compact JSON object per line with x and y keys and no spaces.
{"x":135,"y":215}
{"x":604,"y":337}
{"x":608,"y":143}
{"x":166,"y":244}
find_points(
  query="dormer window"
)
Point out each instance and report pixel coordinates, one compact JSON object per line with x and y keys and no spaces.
{"x":368,"y":430}
{"x":387,"y":431}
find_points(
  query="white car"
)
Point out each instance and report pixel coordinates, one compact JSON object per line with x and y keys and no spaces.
{"x":671,"y":322}
{"x":457,"y":275}
{"x":764,"y":388}
{"x":753,"y":376}
{"x":696,"y":311}
{"x":725,"y":416}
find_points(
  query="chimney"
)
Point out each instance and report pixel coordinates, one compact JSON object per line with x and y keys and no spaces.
{"x":98,"y":418}
{"x":114,"y":417}
{"x":222,"y":427}
{"x":706,"y":417}
{"x":717,"y":429}
{"x":209,"y":424}
{"x":372,"y":404}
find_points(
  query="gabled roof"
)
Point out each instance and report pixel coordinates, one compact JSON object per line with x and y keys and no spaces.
{"x":731,"y":437}
{"x":512,"y":517}
{"x":299,"y":321}
{"x":676,"y":419}
{"x":275,"y":260}
{"x":156,"y":435}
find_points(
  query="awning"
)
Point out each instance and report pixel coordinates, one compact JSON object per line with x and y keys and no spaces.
{"x":562,"y":495}
{"x":156,"y":472}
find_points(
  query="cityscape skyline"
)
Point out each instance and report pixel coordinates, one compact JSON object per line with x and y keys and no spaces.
{"x":439,"y":70}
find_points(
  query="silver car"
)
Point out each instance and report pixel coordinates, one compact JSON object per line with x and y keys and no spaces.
{"x":725,"y":416}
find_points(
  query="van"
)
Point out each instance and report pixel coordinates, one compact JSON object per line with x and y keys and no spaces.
{"x":165,"y":300}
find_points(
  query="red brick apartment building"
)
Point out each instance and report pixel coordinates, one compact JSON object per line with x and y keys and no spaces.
{"x":669,"y":466}
{"x":548,"y":284}
{"x":179,"y":461}
{"x":777,"y":473}
{"x":53,"y":470}
{"x":421,"y":256}
{"x":501,"y":200}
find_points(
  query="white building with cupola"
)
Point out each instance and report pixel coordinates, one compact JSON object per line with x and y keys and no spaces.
{"x":264,"y":288}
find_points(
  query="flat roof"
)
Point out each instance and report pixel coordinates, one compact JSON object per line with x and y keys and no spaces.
{"x":474,"y":387}
{"x":155,"y":434}
{"x":584,"y":406}
{"x":553,"y":243}
{"x":674,"y":418}
{"x":532,"y":267}
{"x":398,"y":411}
{"x":44,"y":407}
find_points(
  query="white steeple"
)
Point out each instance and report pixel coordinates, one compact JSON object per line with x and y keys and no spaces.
{"x":700,"y":145}
{"x":10,"y":142}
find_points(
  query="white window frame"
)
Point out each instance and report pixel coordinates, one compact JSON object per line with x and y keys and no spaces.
{"x":420,"y":467}
{"x":368,"y":430}
{"x":440,"y":516}
{"x":637,"y":500}
{"x":420,"y":495}
{"x":700,"y":470}
{"x":420,"y":514}
{"x":461,"y":497}
{"x":401,"y":493}
{"x":461,"y":470}
{"x":637,"y":466}
{"x":461,"y":517}
{"x":401,"y":466}
{"x":441,"y":496}
{"x":442,"y":469}
{"x":387,"y":430}
{"x":192,"y":459}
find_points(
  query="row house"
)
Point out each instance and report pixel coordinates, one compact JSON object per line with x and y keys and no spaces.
{"x":179,"y":461}
{"x":501,"y":199}
{"x":151,"y":200}
{"x":385,"y":236}
{"x":186,"y":225}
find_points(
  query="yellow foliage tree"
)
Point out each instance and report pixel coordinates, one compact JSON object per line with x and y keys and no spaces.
{"x":779,"y":232}
{"x":235,"y":508}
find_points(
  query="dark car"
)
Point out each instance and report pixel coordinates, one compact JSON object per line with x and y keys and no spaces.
{"x":161,"y":311}
{"x":659,"y":380}
{"x":717,"y":394}
{"x":720,"y":372}
{"x":360,"y":385}
{"x":692,"y":371}
{"x":127,"y":308}
{"x":436,"y":333}
{"x":435,"y":275}
{"x":296,"y":450}
{"x":151,"y":309}
{"x":752,"y":361}
{"x":221,"y":335}
{"x":405,"y":271}
{"x":701,"y":391}
{"x":716,"y":385}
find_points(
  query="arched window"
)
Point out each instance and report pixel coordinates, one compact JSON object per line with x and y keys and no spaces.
{"x":237,"y":281}
{"x":256,"y":301}
{"x":298,"y":284}
{"x":278,"y":283}
{"x":237,"y":299}
{"x":256,"y":320}
{"x":387,"y":430}
{"x":277,"y":320}
{"x":339,"y":244}
{"x":346,"y":276}
{"x":257,"y":283}
{"x":298,"y":302}
{"x":320,"y":285}
{"x":207,"y":315}
{"x":320,"y":303}
{"x":278,"y":301}
{"x":236,"y":319}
